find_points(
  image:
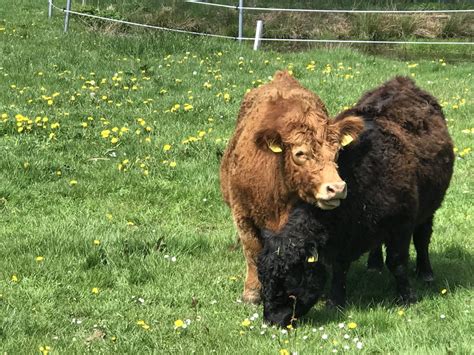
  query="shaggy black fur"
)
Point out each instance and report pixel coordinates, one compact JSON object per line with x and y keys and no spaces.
{"x":397,"y":173}
{"x":290,"y":271}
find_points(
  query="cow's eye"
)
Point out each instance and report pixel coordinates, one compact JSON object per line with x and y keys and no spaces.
{"x":300,"y":154}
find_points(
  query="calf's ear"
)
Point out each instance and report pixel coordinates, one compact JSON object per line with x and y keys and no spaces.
{"x":269,"y":140}
{"x":349,"y":129}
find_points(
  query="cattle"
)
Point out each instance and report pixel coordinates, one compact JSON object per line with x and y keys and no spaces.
{"x":397,"y":173}
{"x":290,"y":269}
{"x":283,"y":151}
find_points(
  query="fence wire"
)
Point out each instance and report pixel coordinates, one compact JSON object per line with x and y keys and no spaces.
{"x":263,"y":39}
{"x":273,"y":9}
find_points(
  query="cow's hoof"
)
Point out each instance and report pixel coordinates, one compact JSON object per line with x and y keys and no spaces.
{"x":332,"y":304}
{"x":426,"y":276}
{"x":408,"y":299}
{"x":251,"y":297}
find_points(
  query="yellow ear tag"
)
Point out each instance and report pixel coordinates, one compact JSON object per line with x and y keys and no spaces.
{"x":346,"y":140}
{"x":275,"y":148}
{"x":313,"y":259}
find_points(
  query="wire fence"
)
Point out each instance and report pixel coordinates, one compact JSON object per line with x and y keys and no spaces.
{"x":67,"y":11}
{"x":274,"y":9}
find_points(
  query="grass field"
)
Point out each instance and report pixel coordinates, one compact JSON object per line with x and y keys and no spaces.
{"x":113,"y":234}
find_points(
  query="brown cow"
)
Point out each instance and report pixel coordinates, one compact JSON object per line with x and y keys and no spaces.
{"x":283,"y":151}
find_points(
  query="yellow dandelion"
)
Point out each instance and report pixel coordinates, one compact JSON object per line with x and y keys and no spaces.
{"x":245,"y":322}
{"x":166,"y":147}
{"x":105,"y":133}
{"x":284,"y":352}
{"x":72,"y":182}
{"x":96,"y":242}
{"x":173,"y":164}
{"x":14,"y":278}
{"x":130,"y":224}
{"x":95,"y":290}
{"x":444,"y":291}
{"x":44,"y":349}
{"x":352,"y":325}
{"x":39,"y":258}
{"x":401,"y":313}
{"x":114,"y":140}
{"x":178,"y":323}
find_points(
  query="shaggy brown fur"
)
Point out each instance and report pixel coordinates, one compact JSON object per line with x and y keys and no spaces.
{"x":260,"y":185}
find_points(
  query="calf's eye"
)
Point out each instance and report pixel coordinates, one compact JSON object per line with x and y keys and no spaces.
{"x":300,"y":154}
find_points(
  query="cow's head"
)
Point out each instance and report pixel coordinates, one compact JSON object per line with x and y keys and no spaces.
{"x":307,"y":143}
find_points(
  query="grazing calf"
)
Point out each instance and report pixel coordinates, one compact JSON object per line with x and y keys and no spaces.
{"x":289,"y":268}
{"x":397,"y":173}
{"x":282,"y":152}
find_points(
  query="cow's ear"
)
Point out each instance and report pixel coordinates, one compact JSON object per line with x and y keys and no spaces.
{"x":349,"y":129}
{"x":269,"y":140}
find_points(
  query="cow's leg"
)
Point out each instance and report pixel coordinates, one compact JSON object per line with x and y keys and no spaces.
{"x":421,"y":239}
{"x":251,"y":246}
{"x":337,"y":296}
{"x":397,"y":262}
{"x":375,"y":260}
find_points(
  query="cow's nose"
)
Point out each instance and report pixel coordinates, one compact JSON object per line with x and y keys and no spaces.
{"x":335,"y":190}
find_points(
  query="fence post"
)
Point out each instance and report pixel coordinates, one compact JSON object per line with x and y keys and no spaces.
{"x":258,"y":35}
{"x":241,"y":19}
{"x":50,"y":8}
{"x":66,"y":15}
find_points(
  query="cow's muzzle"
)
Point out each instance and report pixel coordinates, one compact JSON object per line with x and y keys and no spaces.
{"x":329,"y":195}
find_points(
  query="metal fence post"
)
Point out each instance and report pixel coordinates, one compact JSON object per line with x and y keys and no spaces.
{"x":66,"y":15}
{"x":50,"y":8}
{"x":241,"y":19}
{"x":258,"y":35}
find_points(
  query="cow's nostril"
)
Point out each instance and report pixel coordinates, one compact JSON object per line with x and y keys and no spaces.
{"x":337,"y":189}
{"x":332,"y":191}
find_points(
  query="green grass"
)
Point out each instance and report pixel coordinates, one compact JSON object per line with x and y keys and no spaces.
{"x":143,"y":221}
{"x":345,"y":26}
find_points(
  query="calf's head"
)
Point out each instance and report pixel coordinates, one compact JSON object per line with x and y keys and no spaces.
{"x":307,"y":143}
